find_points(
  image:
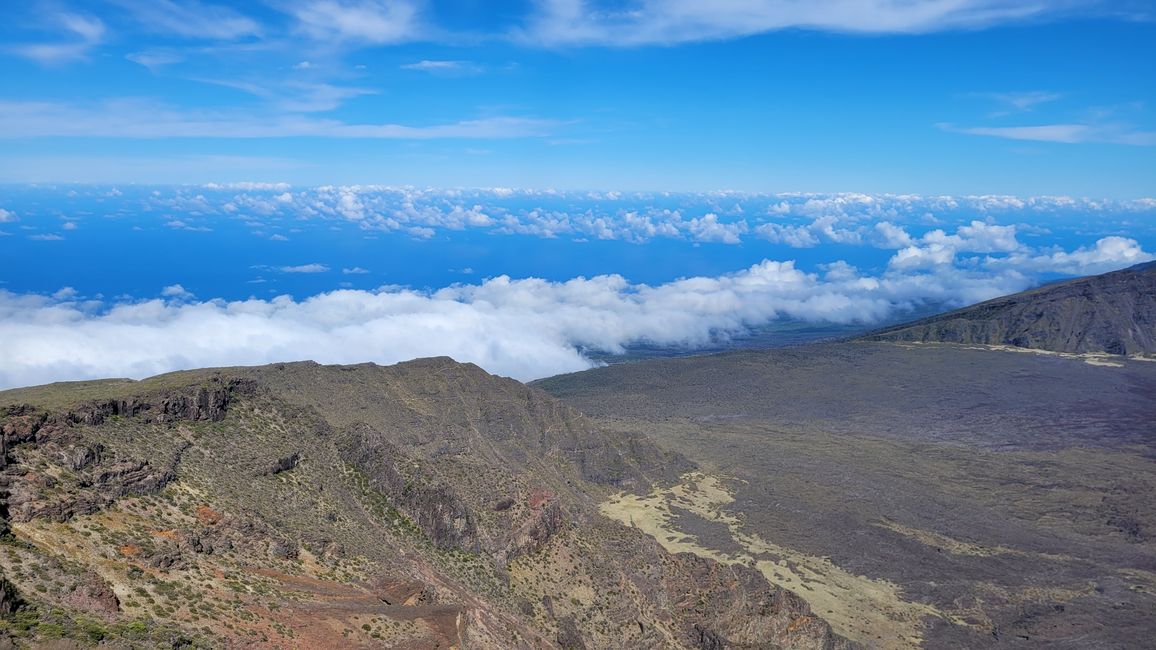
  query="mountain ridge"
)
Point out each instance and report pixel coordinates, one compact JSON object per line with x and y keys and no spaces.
{"x":1112,"y":313}
{"x":427,"y":504}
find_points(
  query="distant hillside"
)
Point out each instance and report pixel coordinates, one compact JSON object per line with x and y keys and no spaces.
{"x":1113,"y":313}
{"x":423,"y":505}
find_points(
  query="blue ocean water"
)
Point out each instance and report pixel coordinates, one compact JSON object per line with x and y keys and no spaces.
{"x":125,"y":242}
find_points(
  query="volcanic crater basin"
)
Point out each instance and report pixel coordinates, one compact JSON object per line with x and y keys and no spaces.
{"x":927,"y":495}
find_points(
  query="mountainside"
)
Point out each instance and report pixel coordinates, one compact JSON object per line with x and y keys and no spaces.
{"x":423,"y":505}
{"x":1113,"y":313}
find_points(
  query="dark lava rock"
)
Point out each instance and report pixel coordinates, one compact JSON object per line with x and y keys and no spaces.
{"x":1113,"y":313}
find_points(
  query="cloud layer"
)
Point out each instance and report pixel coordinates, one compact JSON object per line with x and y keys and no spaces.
{"x":525,"y":328}
{"x":967,"y":224}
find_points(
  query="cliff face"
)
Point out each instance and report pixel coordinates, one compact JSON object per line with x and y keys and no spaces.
{"x":1114,"y":313}
{"x":426,"y":505}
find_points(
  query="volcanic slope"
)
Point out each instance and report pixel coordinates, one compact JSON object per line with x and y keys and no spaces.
{"x":916,"y":495}
{"x":1114,"y":313}
{"x":422,"y":505}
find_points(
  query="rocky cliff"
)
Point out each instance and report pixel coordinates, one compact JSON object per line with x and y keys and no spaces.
{"x":1114,"y":313}
{"x":423,"y":505}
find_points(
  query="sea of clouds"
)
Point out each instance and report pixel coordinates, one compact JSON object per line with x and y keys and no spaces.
{"x":529,"y":328}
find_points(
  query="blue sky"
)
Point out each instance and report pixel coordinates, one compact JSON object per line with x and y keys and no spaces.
{"x":533,"y":186}
{"x":967,"y":97}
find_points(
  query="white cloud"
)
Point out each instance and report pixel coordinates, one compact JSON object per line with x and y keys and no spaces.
{"x":524,"y":328}
{"x":582,"y":22}
{"x":86,"y":33}
{"x":1025,"y":100}
{"x":305,"y":268}
{"x":191,"y":19}
{"x":793,"y":236}
{"x":178,"y":224}
{"x":7,"y":216}
{"x":357,"y":270}
{"x":155,"y":59}
{"x":131,"y":118}
{"x":69,"y":225}
{"x":1108,"y":254}
{"x":798,"y":236}
{"x":980,"y":237}
{"x":375,"y":22}
{"x":178,"y":292}
{"x":889,"y":235}
{"x":46,"y":237}
{"x":294,"y":95}
{"x":708,"y":228}
{"x":445,"y":67}
{"x":937,"y":248}
{"x":248,"y":185}
{"x":1063,"y":133}
{"x":922,"y":257}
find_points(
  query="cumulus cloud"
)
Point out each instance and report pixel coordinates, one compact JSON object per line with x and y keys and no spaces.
{"x":177,"y":291}
{"x":822,"y":229}
{"x":6,"y":216}
{"x":937,"y":248}
{"x":178,"y":224}
{"x":922,"y":257}
{"x":889,"y":235}
{"x":708,"y":228}
{"x":793,"y":236}
{"x":1107,"y":254}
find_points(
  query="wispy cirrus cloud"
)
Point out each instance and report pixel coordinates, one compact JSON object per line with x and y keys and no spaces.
{"x":296,"y":96}
{"x":190,"y":19}
{"x":444,"y":67}
{"x":134,"y":118}
{"x":1020,"y":101}
{"x":357,"y":22}
{"x":585,"y":22}
{"x":304,"y":268}
{"x":1067,"y":133}
{"x":83,"y":33}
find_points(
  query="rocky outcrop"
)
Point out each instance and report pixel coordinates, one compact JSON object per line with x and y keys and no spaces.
{"x":544,"y":519}
{"x":432,"y":506}
{"x":407,"y":592}
{"x":1113,"y":313}
{"x":281,"y":465}
{"x":94,"y":480}
{"x":733,"y":606}
{"x":9,"y":598}
{"x":206,"y":402}
{"x":92,"y":594}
